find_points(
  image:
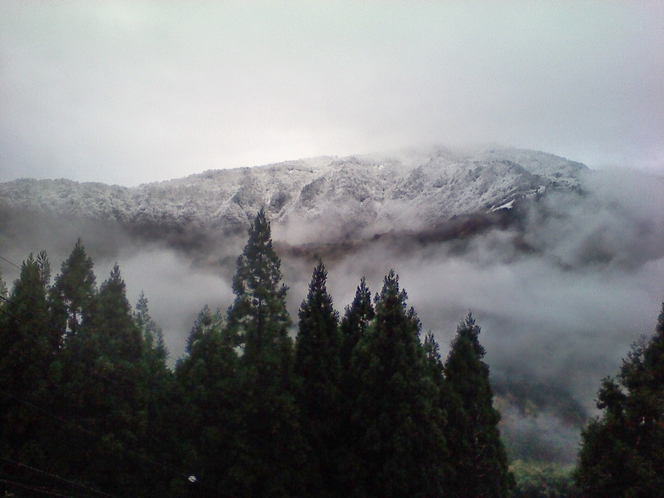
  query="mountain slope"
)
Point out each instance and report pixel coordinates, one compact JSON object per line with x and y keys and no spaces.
{"x":562,"y":285}
{"x":328,"y":197}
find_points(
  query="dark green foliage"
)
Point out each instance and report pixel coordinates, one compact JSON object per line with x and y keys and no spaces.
{"x":355,"y":322}
{"x":27,"y":343}
{"x":208,"y":425}
{"x":259,"y":317}
{"x":622,"y":453}
{"x":354,"y":410}
{"x":119,"y":337}
{"x":159,"y":438}
{"x":479,"y":458}
{"x":396,"y":416}
{"x":27,"y":348}
{"x":73,"y":299}
{"x":435,"y":369}
{"x":272,"y":463}
{"x":104,"y":393}
{"x":542,"y":480}
{"x":318,"y":369}
{"x":153,"y":335}
{"x":72,"y":295}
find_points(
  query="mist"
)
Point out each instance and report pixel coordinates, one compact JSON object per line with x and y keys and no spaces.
{"x":567,"y":308}
{"x":560,"y":295}
{"x":127,"y":93}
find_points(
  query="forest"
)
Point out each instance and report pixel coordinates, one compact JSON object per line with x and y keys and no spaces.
{"x":358,"y":404}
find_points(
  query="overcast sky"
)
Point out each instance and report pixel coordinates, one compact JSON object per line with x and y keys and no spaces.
{"x":133,"y":92}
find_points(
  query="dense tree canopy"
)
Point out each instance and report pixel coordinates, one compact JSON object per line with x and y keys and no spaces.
{"x":357,"y":408}
{"x":27,"y":345}
{"x":318,"y":368}
{"x":622,"y":452}
{"x":207,"y":414}
{"x":73,"y":293}
{"x":480,"y":460}
{"x":395,"y":409}
{"x":273,"y":460}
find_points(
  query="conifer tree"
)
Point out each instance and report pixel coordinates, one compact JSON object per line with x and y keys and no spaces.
{"x":434,"y":361}
{"x":259,"y":316}
{"x":272,"y":461}
{"x":622,"y":452}
{"x":318,"y":369}
{"x":209,"y":424}
{"x":44,"y":265}
{"x":357,"y":319}
{"x":105,"y":392}
{"x":120,"y":350}
{"x":28,"y":345}
{"x":395,"y":409}
{"x":153,"y":335}
{"x":478,"y":455}
{"x":73,"y":299}
{"x":160,"y":437}
{"x":72,"y":296}
{"x":120,"y":338}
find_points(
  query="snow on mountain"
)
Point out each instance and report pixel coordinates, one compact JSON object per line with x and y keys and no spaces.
{"x":326,"y":197}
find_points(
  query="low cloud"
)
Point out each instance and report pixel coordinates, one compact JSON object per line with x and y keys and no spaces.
{"x":560,"y":296}
{"x":176,"y":291}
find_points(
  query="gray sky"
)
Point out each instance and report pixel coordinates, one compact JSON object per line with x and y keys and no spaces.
{"x":133,"y":92}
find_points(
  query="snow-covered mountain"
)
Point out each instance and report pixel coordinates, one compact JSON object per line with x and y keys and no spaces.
{"x":327,"y":197}
{"x":563,"y":266}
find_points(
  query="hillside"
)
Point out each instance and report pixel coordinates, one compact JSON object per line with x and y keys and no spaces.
{"x":325,"y":197}
{"x":562,"y":265}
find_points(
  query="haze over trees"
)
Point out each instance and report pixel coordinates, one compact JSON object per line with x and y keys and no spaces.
{"x":622,"y":451}
{"x":360,"y":406}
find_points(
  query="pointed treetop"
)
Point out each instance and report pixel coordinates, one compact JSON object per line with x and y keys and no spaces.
{"x":362,"y":293}
{"x":259,"y":317}
{"x":355,"y":322}
{"x":258,"y":268}
{"x":115,"y":273}
{"x":44,"y":267}
{"x":432,"y":349}
{"x":391,"y":303}
{"x":76,"y":276}
{"x":469,"y":330}
{"x":361,"y":308}
{"x":317,"y":339}
{"x":142,"y":309}
{"x":153,"y":334}
{"x":318,"y":288}
{"x":113,"y":294}
{"x":74,"y":290}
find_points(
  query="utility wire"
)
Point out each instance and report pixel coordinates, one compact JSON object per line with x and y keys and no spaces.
{"x":13,"y":264}
{"x":56,"y":477}
{"x":80,"y":428}
{"x":36,"y":488}
{"x":93,"y":371}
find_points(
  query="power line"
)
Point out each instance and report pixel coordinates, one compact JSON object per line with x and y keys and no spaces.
{"x":186,"y":475}
{"x":92,"y":371}
{"x":37,"y":489}
{"x":54,"y":476}
{"x":13,"y":264}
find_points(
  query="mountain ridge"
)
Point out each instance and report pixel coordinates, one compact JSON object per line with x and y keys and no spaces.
{"x":330,"y":197}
